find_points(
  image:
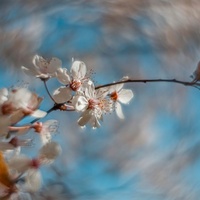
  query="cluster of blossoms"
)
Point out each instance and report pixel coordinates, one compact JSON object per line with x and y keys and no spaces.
{"x":77,"y":93}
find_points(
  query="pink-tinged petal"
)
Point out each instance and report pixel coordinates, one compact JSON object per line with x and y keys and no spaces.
{"x":62,"y":94}
{"x":63,"y":76}
{"x":78,"y":70}
{"x":39,"y":114}
{"x":33,"y":180}
{"x":124,"y":96}
{"x":80,"y":103}
{"x":118,"y":110}
{"x":30,"y":72}
{"x":19,"y":163}
{"x":49,"y":152}
{"x":84,"y":118}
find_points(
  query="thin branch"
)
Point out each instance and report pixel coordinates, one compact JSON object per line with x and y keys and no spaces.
{"x":48,"y":111}
{"x":185,"y":83}
{"x":45,"y":85}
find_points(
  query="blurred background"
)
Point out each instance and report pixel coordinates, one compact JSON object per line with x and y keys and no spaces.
{"x":154,"y":154}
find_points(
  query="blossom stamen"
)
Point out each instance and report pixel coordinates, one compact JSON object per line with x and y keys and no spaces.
{"x":114,"y":96}
{"x":75,"y":85}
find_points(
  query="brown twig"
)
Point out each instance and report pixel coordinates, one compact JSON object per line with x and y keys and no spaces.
{"x":185,"y":83}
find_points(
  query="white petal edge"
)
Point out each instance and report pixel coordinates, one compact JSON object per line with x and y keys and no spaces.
{"x":62,"y":94}
{"x":118,"y":110}
{"x":39,"y":114}
{"x":63,"y":76}
{"x":78,"y":70}
{"x":29,"y":72}
{"x":125,"y":96}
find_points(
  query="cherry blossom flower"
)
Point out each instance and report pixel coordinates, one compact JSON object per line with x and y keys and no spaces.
{"x":44,"y":69}
{"x":73,"y":81}
{"x":21,"y":102}
{"x":93,"y":104}
{"x":46,"y":129}
{"x":30,"y":167}
{"x":119,"y":95}
{"x":49,"y":152}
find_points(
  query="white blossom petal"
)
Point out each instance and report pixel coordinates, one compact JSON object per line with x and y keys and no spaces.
{"x":19,"y":163}
{"x":39,"y":114}
{"x":80,"y":103}
{"x":84,"y":118}
{"x":30,"y":72}
{"x":9,"y":154}
{"x":102,"y":92}
{"x":62,"y":94}
{"x":33,"y":180}
{"x":63,"y":76}
{"x":37,"y":60}
{"x":90,"y":92}
{"x":51,"y":126}
{"x":45,"y":137}
{"x":3,"y":95}
{"x":54,"y":64}
{"x":78,"y":70}
{"x":125,"y":96}
{"x":46,"y":68}
{"x":116,"y":87}
{"x":94,"y":122}
{"x":50,"y":151}
{"x":118,"y":110}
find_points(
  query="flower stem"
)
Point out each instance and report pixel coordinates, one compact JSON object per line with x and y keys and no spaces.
{"x":45,"y":85}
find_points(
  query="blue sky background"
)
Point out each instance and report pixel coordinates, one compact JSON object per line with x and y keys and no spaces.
{"x":154,"y":152}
